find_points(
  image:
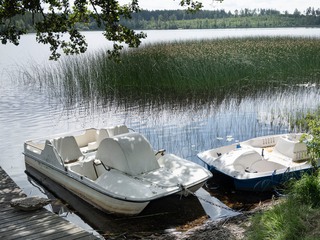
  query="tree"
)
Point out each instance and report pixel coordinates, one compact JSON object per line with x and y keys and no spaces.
{"x":296,"y":13}
{"x":60,"y":17}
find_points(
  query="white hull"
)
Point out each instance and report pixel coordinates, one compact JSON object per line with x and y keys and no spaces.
{"x":121,"y":177}
{"x":260,"y":164}
{"x":90,"y":195}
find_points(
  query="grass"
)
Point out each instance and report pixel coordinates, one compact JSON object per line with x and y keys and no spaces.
{"x":199,"y":70}
{"x":285,"y":221}
{"x":295,"y":218}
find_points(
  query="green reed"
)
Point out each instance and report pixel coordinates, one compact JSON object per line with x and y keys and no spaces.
{"x":198,"y":70}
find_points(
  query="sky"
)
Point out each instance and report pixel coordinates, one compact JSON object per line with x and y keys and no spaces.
{"x":231,"y":5}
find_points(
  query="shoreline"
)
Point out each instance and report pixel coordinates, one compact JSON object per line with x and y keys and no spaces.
{"x":232,"y":228}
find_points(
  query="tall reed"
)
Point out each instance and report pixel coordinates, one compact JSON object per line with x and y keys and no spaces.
{"x":198,"y":70}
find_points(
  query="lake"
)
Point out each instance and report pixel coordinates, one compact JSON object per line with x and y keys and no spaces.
{"x":27,"y":113}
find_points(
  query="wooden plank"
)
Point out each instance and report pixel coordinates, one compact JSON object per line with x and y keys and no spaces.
{"x":68,"y":231}
{"x":6,"y":208}
{"x":73,"y":233}
{"x":27,"y":221}
{"x":11,"y":218}
{"x":80,"y":236}
{"x":40,"y":224}
{"x":62,"y":235}
{"x":28,"y":216}
{"x":32,"y":222}
{"x":35,"y":229}
{"x":22,"y":222}
{"x":40,"y":231}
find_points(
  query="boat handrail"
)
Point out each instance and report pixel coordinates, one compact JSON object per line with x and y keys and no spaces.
{"x":97,"y":162}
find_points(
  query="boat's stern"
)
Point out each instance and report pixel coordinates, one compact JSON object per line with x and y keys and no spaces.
{"x":187,"y":174}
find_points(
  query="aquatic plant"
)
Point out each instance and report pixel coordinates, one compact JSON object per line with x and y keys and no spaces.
{"x":190,"y":71}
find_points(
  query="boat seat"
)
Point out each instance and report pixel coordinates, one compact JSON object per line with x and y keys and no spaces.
{"x":130,"y":153}
{"x":117,"y":130}
{"x":86,"y":169}
{"x":104,"y":133}
{"x":99,"y":136}
{"x":67,"y":148}
{"x":266,"y":166}
{"x":247,"y":158}
{"x":238,"y":167}
{"x":291,"y":148}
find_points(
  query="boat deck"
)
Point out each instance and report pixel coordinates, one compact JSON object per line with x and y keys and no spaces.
{"x":40,"y":224}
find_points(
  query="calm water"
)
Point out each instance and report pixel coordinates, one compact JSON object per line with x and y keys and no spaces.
{"x":27,"y":113}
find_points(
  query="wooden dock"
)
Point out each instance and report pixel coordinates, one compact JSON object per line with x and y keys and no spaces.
{"x":40,"y":224}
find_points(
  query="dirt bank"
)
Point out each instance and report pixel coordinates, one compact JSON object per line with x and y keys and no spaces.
{"x":233,"y":228}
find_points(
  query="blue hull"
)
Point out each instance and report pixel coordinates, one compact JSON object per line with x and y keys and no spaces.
{"x":261,"y":184}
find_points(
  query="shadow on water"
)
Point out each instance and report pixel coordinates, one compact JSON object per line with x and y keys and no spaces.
{"x":173,"y":212}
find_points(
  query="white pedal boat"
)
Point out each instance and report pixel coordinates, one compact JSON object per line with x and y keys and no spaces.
{"x":260,"y":164}
{"x":113,"y":169}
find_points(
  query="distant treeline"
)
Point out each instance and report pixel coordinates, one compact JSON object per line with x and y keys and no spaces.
{"x":244,"y":18}
{"x":205,"y":19}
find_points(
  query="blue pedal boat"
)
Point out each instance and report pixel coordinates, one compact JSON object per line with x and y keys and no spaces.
{"x":260,"y":164}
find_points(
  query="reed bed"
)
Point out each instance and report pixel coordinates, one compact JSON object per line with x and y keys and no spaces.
{"x":197,"y":71}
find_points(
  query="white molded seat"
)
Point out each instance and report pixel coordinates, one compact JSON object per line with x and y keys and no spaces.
{"x":117,"y":130}
{"x":67,"y":148}
{"x":291,"y":148}
{"x":130,"y":153}
{"x":85,"y":169}
{"x":265,"y":166}
{"x":99,"y":136}
{"x":246,"y":159}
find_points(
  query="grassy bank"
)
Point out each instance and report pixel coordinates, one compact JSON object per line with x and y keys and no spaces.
{"x":297,"y":217}
{"x":194,"y":70}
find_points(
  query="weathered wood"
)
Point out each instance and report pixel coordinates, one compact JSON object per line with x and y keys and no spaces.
{"x":63,"y":236}
{"x":12,"y":226}
{"x":41,"y":231}
{"x":39,"y":224}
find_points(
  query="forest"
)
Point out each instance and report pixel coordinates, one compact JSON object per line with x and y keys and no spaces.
{"x":204,"y":19}
{"x":244,"y":18}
